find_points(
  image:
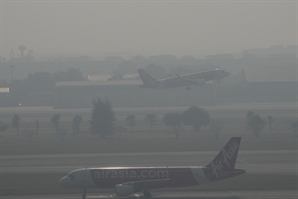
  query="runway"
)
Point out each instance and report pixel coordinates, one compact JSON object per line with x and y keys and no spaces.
{"x":279,"y":162}
{"x":264,"y":162}
{"x":263,"y":194}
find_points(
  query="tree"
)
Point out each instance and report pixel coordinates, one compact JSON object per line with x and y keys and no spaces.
{"x":196,"y":117}
{"x":254,"y":123}
{"x":40,"y":82}
{"x":151,"y":120}
{"x":155,"y":71}
{"x":102,"y":119}
{"x":3,"y":127}
{"x":294,"y":126}
{"x":74,"y":74}
{"x":12,"y":66}
{"x":16,"y":122}
{"x":29,"y":134}
{"x":270,"y":120}
{"x":37,"y":127}
{"x":55,"y":120}
{"x":131,"y":121}
{"x":71,"y":74}
{"x":174,"y":120}
{"x":61,"y":133}
{"x":22,"y":48}
{"x":215,"y":127}
{"x":118,"y":130}
{"x":76,"y":121}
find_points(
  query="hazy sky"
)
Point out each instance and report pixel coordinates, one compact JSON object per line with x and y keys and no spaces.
{"x":146,"y":27}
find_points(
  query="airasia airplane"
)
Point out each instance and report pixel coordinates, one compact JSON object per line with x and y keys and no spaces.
{"x":198,"y":78}
{"x":130,"y":180}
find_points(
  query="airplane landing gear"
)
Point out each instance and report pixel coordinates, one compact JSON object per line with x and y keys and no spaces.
{"x":147,"y":194}
{"x":84,"y":194}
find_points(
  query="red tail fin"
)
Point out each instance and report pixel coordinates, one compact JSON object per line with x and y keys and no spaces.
{"x":226,"y":158}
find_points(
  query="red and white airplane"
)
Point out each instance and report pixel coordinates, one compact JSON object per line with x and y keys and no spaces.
{"x":130,"y":180}
{"x":198,"y":78}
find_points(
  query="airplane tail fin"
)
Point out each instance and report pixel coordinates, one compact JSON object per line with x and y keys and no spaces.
{"x":223,"y":165}
{"x":146,"y":78}
{"x":226,"y":158}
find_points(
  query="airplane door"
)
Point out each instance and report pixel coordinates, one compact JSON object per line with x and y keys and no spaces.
{"x":84,"y":175}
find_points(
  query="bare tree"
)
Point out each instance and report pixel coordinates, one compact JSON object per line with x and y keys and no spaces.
{"x":55,"y":120}
{"x":294,"y":126}
{"x":131,"y":121}
{"x":16,"y":122}
{"x":12,"y":66}
{"x":37,"y":127}
{"x":76,"y":122}
{"x":61,"y":133}
{"x":29,"y":134}
{"x":151,"y":119}
{"x":270,"y":120}
{"x":3,"y":127}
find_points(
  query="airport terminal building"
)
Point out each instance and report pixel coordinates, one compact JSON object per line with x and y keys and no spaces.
{"x":125,"y":94}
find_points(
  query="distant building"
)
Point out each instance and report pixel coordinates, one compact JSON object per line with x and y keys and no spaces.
{"x":103,"y":77}
{"x":4,"y":97}
{"x":220,"y":56}
{"x":272,"y":51}
{"x":4,"y":90}
{"x":275,"y":73}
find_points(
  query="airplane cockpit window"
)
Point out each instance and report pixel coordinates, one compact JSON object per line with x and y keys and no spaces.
{"x":71,"y":176}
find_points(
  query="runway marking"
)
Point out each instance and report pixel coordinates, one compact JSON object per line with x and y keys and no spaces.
{"x":109,"y":196}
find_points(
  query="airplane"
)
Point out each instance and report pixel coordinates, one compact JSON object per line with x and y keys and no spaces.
{"x":129,"y":180}
{"x":187,"y":80}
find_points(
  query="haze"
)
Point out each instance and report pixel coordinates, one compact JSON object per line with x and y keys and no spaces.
{"x":129,"y":28}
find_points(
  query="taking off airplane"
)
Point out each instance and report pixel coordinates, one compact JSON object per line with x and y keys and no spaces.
{"x":130,"y":180}
{"x":198,"y":78}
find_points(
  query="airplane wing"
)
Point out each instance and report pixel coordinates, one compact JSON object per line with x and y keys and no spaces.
{"x":146,"y":184}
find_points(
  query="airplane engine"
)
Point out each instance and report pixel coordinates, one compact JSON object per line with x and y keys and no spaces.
{"x":200,"y":82}
{"x":124,"y":190}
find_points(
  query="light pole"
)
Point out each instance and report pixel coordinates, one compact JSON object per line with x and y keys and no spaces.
{"x":11,"y":72}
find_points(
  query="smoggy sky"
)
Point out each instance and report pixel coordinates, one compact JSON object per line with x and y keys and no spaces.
{"x":180,"y":28}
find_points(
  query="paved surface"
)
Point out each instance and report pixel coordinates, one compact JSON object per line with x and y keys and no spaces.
{"x":265,"y":162}
{"x":188,"y":195}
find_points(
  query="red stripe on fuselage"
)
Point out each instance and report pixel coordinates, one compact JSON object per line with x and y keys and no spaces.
{"x":109,"y":177}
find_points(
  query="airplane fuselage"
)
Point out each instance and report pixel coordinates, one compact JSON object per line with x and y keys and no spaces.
{"x":198,"y":78}
{"x":109,"y":177}
{"x":129,"y":180}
